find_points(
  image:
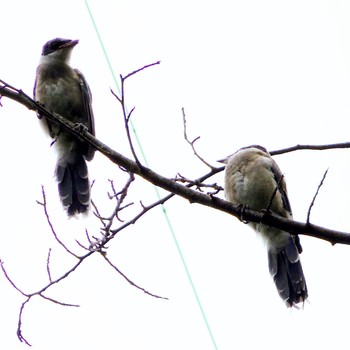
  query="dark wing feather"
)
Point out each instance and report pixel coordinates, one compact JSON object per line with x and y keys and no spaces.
{"x":87,"y":103}
{"x":282,"y":188}
{"x":278,"y":176}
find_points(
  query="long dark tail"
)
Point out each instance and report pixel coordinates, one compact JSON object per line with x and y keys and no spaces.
{"x":287,"y":272}
{"x":73,"y":184}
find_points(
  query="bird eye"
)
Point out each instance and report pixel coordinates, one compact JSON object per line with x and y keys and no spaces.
{"x":55,"y":44}
{"x":52,"y":45}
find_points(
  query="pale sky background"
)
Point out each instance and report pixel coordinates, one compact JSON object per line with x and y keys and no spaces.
{"x":275,"y":73}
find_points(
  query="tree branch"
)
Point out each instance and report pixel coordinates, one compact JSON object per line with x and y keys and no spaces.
{"x":311,"y":148}
{"x":185,"y":191}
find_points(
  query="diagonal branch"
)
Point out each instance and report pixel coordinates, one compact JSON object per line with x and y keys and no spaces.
{"x":183,"y":191}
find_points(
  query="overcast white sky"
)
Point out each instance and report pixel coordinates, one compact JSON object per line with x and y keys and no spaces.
{"x":275,"y":73}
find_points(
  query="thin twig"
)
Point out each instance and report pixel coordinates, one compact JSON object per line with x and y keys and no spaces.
{"x":57,"y":301}
{"x":48,"y":265}
{"x":97,"y":214}
{"x":198,"y":185}
{"x":120,"y":196}
{"x":19,"y":325}
{"x":314,"y":198}
{"x":62,"y":277}
{"x":140,"y":69}
{"x":127,"y":115}
{"x":82,"y":245}
{"x":116,"y":96}
{"x":191,"y":143}
{"x":330,"y":146}
{"x":10,"y":280}
{"x":51,"y":225}
{"x":130,"y":281}
{"x":115,"y":193}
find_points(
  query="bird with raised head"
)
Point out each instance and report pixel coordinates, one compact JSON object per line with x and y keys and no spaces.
{"x":64,"y":91}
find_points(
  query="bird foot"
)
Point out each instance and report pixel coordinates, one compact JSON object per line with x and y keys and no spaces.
{"x":266,"y":211}
{"x":40,"y":116}
{"x":80,"y":128}
{"x":242,"y":208}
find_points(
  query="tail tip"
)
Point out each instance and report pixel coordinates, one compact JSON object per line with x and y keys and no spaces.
{"x":295,"y":300}
{"x":77,"y":208}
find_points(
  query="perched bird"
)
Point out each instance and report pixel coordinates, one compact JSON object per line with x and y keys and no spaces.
{"x":64,"y":90}
{"x":253,"y":179}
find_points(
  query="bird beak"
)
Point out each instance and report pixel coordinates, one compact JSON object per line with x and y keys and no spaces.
{"x":70,"y":43}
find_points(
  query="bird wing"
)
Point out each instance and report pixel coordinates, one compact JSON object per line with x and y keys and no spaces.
{"x":87,"y":104}
{"x":282,"y":188}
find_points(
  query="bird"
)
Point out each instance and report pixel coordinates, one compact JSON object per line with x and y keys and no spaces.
{"x":63,"y":90}
{"x":254,"y":180}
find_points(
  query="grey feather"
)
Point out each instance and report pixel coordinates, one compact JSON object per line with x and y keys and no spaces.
{"x":64,"y":91}
{"x":288,"y":275}
{"x":73,"y":184}
{"x":253,"y":179}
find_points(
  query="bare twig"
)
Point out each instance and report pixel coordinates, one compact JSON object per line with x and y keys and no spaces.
{"x":9,"y":279}
{"x":83,"y":246}
{"x":330,"y":146}
{"x":38,"y":293}
{"x":130,"y":281}
{"x":95,"y":246}
{"x":19,"y":325}
{"x":315,"y":196}
{"x":115,"y":193}
{"x":140,"y":69}
{"x":199,"y":185}
{"x":116,"y":96}
{"x":127,"y":115}
{"x":62,"y":277}
{"x":119,"y":196}
{"x":58,"y":302}
{"x":51,"y":225}
{"x":191,"y":143}
{"x":98,"y":215}
{"x":48,"y":265}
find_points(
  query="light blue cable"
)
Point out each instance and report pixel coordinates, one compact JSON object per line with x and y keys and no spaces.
{"x":156,"y":188}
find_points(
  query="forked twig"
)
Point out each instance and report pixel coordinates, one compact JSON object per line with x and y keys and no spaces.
{"x":199,"y":185}
{"x":191,"y":143}
{"x":127,"y":115}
